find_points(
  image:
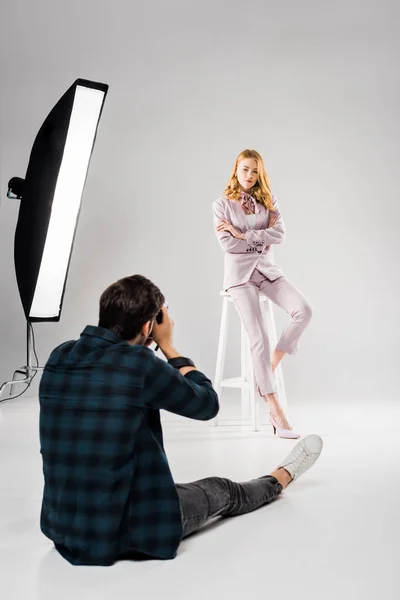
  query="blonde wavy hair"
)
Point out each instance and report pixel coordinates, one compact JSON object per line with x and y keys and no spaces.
{"x":261,"y":190}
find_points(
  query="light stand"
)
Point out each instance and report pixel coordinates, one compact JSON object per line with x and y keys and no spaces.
{"x":51,"y":196}
{"x":29,"y":370}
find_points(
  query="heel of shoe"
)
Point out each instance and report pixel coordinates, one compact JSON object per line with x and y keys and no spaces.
{"x":283,"y":433}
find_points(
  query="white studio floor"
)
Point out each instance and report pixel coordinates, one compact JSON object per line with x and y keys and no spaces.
{"x":334,"y":534}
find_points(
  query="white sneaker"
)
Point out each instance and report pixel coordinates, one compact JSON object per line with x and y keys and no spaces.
{"x":303,"y":456}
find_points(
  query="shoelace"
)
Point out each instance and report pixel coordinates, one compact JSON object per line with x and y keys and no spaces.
{"x":295,"y":461}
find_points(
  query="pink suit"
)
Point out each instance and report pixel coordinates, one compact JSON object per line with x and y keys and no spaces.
{"x":249,"y":270}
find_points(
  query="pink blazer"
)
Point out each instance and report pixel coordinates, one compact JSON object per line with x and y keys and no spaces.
{"x":256,"y":251}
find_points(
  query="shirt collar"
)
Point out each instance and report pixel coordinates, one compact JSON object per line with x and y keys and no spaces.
{"x":249,"y":203}
{"x":102,"y":333}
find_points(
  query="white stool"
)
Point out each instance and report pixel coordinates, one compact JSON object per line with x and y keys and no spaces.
{"x":246,"y":381}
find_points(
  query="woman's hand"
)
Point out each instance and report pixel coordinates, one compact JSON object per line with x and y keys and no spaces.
{"x":226,"y":226}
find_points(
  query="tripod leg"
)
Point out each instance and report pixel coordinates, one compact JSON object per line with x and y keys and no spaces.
{"x":14,"y":379}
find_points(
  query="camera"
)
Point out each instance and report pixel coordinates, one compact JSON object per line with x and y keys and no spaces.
{"x":159,"y":316}
{"x":159,"y":319}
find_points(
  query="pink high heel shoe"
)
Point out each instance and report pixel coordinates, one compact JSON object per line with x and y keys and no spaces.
{"x":283,"y":433}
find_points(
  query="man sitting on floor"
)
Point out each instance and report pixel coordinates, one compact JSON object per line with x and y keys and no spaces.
{"x":108,"y":489}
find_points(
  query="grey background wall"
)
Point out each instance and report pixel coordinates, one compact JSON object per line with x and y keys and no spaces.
{"x":314,"y":86}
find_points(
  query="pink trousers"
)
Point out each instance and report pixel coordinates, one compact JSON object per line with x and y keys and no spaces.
{"x":284,"y":294}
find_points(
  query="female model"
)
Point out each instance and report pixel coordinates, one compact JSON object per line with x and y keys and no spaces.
{"x":248,"y":223}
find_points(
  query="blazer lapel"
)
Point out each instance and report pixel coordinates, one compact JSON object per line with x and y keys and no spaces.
{"x":261,"y":218}
{"x":240,"y":216}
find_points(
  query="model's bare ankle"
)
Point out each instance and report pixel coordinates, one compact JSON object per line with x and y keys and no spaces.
{"x":277,"y":411}
{"x":273,"y":403}
{"x":276,"y":358}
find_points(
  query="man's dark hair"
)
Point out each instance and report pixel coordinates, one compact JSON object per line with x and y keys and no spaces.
{"x":125,"y":306}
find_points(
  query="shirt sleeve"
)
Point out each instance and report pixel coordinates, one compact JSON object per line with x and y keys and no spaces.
{"x":271,"y":235}
{"x":190,"y":396}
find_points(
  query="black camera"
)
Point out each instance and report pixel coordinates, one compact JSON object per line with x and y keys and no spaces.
{"x":159,"y":316}
{"x":159,"y":319}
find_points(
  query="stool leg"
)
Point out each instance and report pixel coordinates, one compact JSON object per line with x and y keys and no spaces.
{"x":281,"y":388}
{"x":244,"y":371}
{"x":256,"y":404}
{"x":271,"y":328}
{"x":221,"y":353}
{"x":254,"y":400}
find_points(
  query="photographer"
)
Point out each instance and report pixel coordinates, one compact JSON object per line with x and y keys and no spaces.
{"x":108,"y":489}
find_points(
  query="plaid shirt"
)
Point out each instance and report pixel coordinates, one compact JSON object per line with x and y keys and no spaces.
{"x":108,"y":488}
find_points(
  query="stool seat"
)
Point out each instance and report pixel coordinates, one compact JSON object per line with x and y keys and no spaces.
{"x":246,"y":382}
{"x":227,"y":294}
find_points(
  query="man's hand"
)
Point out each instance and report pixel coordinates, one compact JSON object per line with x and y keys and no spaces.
{"x":162,"y":333}
{"x":226,"y":226}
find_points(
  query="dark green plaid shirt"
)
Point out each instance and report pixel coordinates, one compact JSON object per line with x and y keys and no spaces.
{"x":108,"y":488}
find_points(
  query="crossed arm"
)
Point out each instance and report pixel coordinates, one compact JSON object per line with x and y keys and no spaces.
{"x":255,"y":240}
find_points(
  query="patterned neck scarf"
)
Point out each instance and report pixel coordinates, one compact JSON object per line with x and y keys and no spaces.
{"x":249,"y":204}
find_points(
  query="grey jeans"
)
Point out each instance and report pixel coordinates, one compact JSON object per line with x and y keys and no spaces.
{"x":205,"y":499}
